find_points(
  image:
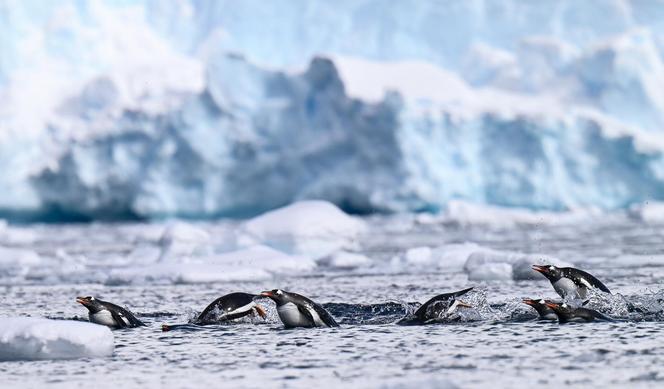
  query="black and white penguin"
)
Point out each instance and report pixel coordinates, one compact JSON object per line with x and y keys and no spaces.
{"x":108,"y":314}
{"x":545,"y":313}
{"x":298,"y":311}
{"x":570,"y":282}
{"x":567,"y":313}
{"x":442,"y":307}
{"x":230,"y":307}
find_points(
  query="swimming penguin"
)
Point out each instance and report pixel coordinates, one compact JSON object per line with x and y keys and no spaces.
{"x":230,"y":307}
{"x":441,"y":307}
{"x":570,"y":282}
{"x":567,"y":314}
{"x":108,"y":314}
{"x":298,"y":311}
{"x":545,"y":313}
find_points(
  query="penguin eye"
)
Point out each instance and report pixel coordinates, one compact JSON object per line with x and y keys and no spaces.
{"x":279,"y":291}
{"x":552,"y":268}
{"x":541,"y":301}
{"x":91,"y":298}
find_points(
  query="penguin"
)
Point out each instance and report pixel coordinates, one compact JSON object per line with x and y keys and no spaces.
{"x":545,"y":313}
{"x":568,"y":314}
{"x":570,"y":282}
{"x":298,"y":311}
{"x":108,"y":314}
{"x":230,"y":307}
{"x":441,"y":307}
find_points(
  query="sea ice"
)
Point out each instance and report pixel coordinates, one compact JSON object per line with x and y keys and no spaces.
{"x":29,"y":338}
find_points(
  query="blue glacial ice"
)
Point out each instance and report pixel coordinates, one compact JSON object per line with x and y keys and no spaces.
{"x":136,"y":109}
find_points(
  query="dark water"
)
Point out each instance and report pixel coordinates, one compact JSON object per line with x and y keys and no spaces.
{"x":497,"y":344}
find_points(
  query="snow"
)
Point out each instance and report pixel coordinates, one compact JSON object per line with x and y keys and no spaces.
{"x":29,"y":339}
{"x":312,"y":228}
{"x":144,"y":110}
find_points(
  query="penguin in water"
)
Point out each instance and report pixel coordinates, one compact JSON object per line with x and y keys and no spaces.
{"x":569,"y":314}
{"x":570,"y":282}
{"x":108,"y":314}
{"x":230,"y":307}
{"x":545,"y":313}
{"x":224,"y":309}
{"x":441,"y":307}
{"x":298,"y":311}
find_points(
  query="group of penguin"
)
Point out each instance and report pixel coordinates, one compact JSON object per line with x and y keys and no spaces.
{"x":295,"y":310}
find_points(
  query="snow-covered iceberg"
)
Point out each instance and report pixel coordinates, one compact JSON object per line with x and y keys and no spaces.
{"x":211,"y":108}
{"x":29,"y":339}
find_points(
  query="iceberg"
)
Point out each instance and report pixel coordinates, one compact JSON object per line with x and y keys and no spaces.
{"x":204,"y":109}
{"x":30,"y":339}
{"x":312,"y":228}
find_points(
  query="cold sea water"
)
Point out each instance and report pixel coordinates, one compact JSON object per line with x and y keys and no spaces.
{"x":498,"y":343}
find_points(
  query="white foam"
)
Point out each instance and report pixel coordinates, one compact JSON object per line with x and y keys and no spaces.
{"x":311,"y":228}
{"x":27,"y":338}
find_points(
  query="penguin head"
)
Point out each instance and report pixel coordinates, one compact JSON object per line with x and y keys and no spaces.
{"x":277,"y":295}
{"x":91,"y":303}
{"x":549,"y":271}
{"x":533,"y":302}
{"x":559,"y":308}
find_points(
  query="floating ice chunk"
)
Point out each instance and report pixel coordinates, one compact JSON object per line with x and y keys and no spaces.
{"x":466,"y":213}
{"x":650,"y":212}
{"x":491,"y":272}
{"x":255,"y":263}
{"x":181,"y":239}
{"x":17,"y":262}
{"x":346,"y":260}
{"x":418,"y":255}
{"x":310,"y":228}
{"x":28,"y":338}
{"x":489,"y":264}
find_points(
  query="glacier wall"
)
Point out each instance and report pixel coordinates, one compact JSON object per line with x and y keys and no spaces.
{"x":136,"y":109}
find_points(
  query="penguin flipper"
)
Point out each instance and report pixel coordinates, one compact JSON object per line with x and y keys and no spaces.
{"x":118,"y":319}
{"x":594,"y":282}
{"x":304,"y":310}
{"x":133,"y":321}
{"x":325,"y":316}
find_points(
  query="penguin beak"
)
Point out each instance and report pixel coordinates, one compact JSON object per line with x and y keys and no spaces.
{"x":82,"y":300}
{"x":266,"y":293}
{"x":551,"y":305}
{"x":464,"y":305}
{"x":540,"y":269}
{"x":529,"y":302}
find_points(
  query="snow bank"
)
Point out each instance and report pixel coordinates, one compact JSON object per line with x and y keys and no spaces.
{"x":311,"y":228}
{"x":27,"y":338}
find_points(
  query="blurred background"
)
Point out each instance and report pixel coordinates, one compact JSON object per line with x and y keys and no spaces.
{"x":126,"y":109}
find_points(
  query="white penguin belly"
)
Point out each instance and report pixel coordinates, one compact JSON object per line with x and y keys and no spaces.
{"x":104,"y":317}
{"x":292,"y":317}
{"x":566,"y":287}
{"x":239,"y":310}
